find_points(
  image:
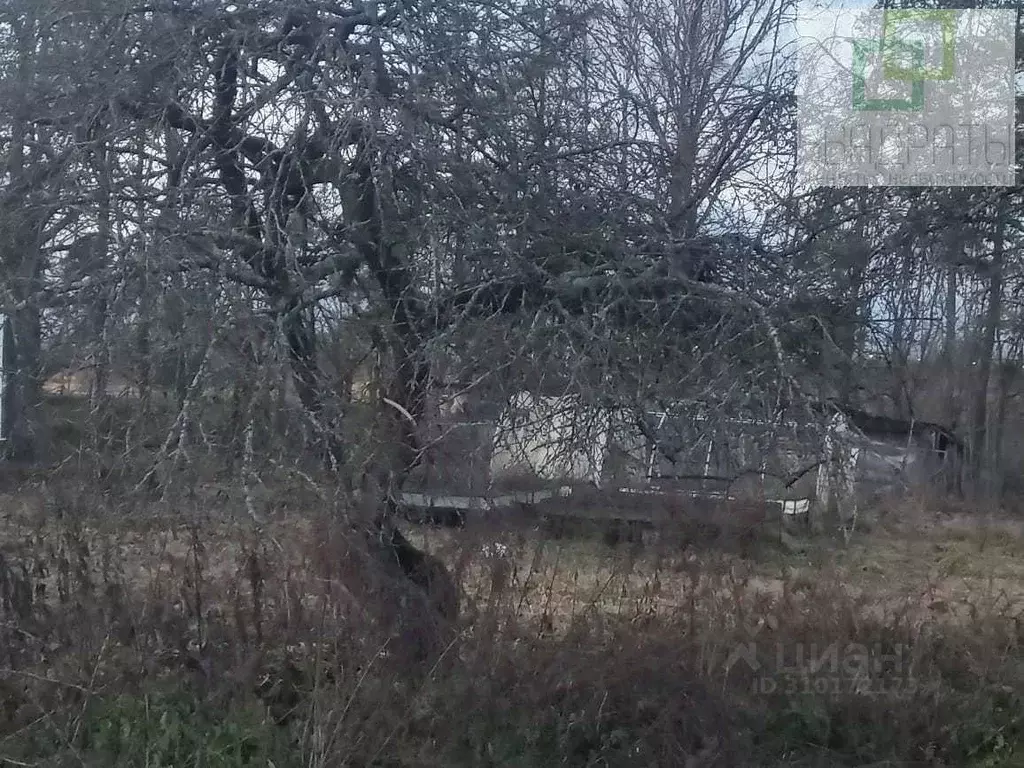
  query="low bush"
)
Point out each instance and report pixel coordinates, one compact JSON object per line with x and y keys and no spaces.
{"x":216,"y":644}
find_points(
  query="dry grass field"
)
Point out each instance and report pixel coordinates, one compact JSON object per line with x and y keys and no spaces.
{"x":187,"y":638}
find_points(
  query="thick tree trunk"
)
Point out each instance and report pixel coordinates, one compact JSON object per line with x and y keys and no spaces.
{"x":949,"y":354}
{"x":269,"y":262}
{"x":95,"y":259}
{"x":27,"y":424}
{"x":286,"y":186}
{"x":143,"y":363}
{"x":300,"y":337}
{"x":408,"y":387}
{"x":23,"y":262}
{"x":1004,"y":381}
{"x":982,"y":471}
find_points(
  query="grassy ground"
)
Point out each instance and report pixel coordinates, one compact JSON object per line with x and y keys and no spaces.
{"x":192,"y":639}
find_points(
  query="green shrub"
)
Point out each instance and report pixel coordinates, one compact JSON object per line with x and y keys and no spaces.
{"x":167,"y":729}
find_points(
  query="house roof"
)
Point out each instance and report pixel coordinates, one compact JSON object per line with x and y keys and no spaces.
{"x":887,"y":426}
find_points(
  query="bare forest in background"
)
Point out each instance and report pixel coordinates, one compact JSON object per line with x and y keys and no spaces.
{"x":257,"y":257}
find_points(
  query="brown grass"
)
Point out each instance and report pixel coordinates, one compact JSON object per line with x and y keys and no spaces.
{"x":569,"y":652}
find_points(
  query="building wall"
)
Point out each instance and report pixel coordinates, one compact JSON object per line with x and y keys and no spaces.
{"x":858,"y":469}
{"x":556,"y":439}
{"x":550,"y":439}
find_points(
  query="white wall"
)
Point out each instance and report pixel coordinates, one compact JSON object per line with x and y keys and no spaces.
{"x":553,"y":438}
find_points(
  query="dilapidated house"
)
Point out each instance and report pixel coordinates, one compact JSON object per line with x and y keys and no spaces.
{"x":838,"y":459}
{"x":865,"y":456}
{"x":686,"y":449}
